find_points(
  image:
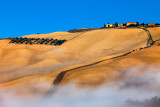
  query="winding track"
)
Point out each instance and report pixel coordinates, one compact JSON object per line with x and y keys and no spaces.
{"x":77,"y":36}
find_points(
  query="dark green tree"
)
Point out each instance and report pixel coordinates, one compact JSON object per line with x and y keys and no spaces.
{"x":137,"y":23}
{"x":116,"y":24}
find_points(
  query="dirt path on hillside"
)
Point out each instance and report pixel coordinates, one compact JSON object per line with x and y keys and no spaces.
{"x":60,"y":76}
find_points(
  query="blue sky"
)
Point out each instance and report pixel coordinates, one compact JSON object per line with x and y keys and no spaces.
{"x":24,"y":17}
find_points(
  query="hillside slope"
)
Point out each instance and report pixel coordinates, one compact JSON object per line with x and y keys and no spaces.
{"x":22,"y":60}
{"x":90,"y":59}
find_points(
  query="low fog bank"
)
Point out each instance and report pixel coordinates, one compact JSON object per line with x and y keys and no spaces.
{"x":138,"y":89}
{"x":153,"y":102}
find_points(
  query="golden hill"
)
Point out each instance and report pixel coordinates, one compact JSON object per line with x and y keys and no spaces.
{"x":87,"y":58}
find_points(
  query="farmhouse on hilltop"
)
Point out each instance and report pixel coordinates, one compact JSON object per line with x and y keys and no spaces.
{"x":111,"y":25}
{"x":120,"y":25}
{"x":131,"y":23}
{"x":151,"y":24}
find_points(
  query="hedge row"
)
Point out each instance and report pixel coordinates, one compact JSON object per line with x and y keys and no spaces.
{"x":36,"y":41}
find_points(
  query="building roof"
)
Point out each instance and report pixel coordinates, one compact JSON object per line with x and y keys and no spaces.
{"x":110,"y":24}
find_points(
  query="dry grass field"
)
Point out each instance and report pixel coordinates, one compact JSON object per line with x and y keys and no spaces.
{"x":91,"y":58}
